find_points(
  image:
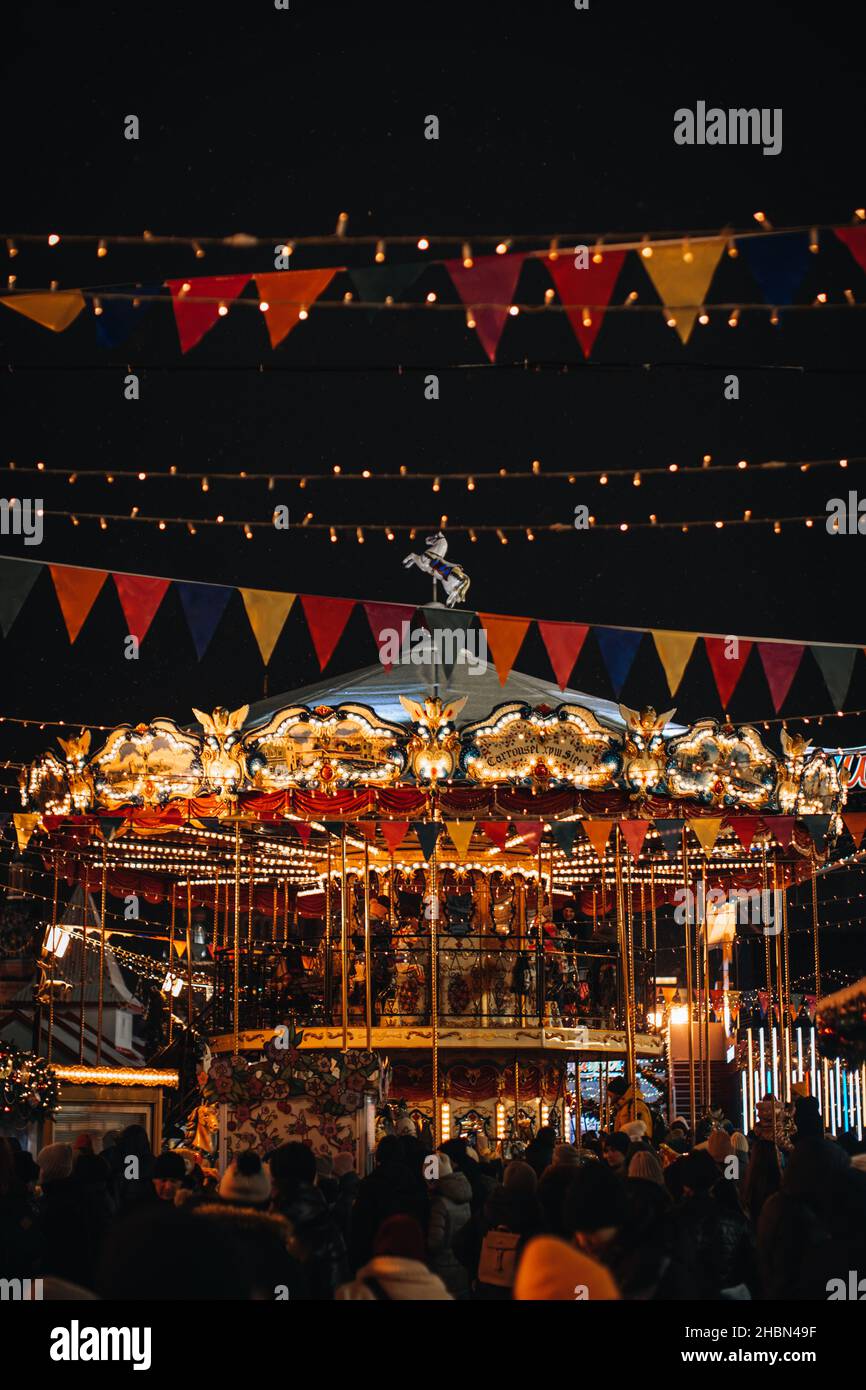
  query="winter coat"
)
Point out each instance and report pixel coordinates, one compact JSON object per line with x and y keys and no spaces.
{"x":812,"y":1229}
{"x":399,"y":1280}
{"x":513,"y":1212}
{"x":269,"y":1253}
{"x":347,"y":1191}
{"x":70,"y":1240}
{"x":320,"y":1239}
{"x":717,"y":1243}
{"x":392,"y":1189}
{"x":555,"y":1182}
{"x":449,"y":1213}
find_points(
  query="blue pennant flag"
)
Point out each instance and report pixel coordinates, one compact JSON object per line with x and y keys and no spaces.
{"x":120,"y":317}
{"x":778,"y":263}
{"x":564,"y":835}
{"x":428,"y":832}
{"x":374,"y":283}
{"x":204,"y":605}
{"x":618,"y":649}
{"x":670,"y":834}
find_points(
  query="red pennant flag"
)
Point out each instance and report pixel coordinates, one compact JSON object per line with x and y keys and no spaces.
{"x":505,"y":638}
{"x":745,"y":828}
{"x":783,"y":829}
{"x":140,"y":597}
{"x":495,"y":830}
{"x":726,"y":669}
{"x":487,"y":287}
{"x":286,"y":293}
{"x":303,"y":829}
{"x":76,"y":591}
{"x":326,"y":619}
{"x":634,"y":834}
{"x":855,"y":824}
{"x":563,"y":642}
{"x":592,"y":286}
{"x":367,"y":829}
{"x":530,"y":832}
{"x":197,"y":308}
{"x":855,"y":239}
{"x":781,"y":662}
{"x":385,"y":618}
{"x":393,"y":833}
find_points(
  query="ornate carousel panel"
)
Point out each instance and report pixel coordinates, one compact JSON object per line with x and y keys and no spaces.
{"x":721,"y":766}
{"x":325,"y":747}
{"x":148,"y":765}
{"x":519,"y":744}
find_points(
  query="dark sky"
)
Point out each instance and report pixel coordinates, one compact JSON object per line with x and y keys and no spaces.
{"x":552,"y":120}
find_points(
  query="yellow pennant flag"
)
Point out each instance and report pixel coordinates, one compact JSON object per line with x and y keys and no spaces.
{"x":707,"y":831}
{"x":681,"y":272}
{"x":54,"y":311}
{"x":267,"y":612}
{"x":460,"y":832}
{"x":598,"y":834}
{"x":674,"y":649}
{"x":180,"y":947}
{"x":24,"y":827}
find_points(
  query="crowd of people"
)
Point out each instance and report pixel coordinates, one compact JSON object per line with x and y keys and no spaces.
{"x":623,"y":1215}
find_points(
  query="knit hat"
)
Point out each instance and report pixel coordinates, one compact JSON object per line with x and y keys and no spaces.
{"x":645,"y":1165}
{"x":551,"y":1269}
{"x":83,"y":1144}
{"x":520,"y":1179}
{"x":636,"y":1130}
{"x":445,"y":1167}
{"x":245,"y":1181}
{"x":719,"y":1145}
{"x":406,"y":1125}
{"x":739,"y":1143}
{"x":401,"y":1236}
{"x":343,"y":1164}
{"x":565,"y":1155}
{"x":55,"y":1162}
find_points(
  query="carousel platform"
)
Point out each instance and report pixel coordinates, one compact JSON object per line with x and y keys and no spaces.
{"x":589,"y":1042}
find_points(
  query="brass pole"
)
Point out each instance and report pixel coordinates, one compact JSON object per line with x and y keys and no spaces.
{"x":286,"y":912}
{"x":171,"y":960}
{"x":188,"y":954}
{"x":99,"y":1002}
{"x":216,"y":908}
{"x":344,"y":941}
{"x":83,"y":961}
{"x":516,"y":1098}
{"x":815,"y":926}
{"x":708,"y":1104}
{"x":250,"y":912}
{"x":578,"y":1107}
{"x":327,"y":982}
{"x":789,"y":1022}
{"x":54,"y":955}
{"x":237,"y":942}
{"x":368,"y":962}
{"x":689,"y":984}
{"x":434,"y":994}
{"x":274,"y":912}
{"x":624,"y":940}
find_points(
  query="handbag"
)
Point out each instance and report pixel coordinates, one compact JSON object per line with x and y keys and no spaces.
{"x":497,"y":1264}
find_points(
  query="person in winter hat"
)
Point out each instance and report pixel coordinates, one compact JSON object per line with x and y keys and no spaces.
{"x":645,"y":1165}
{"x":393,"y":1188}
{"x":636,"y":1131}
{"x":719,"y":1146}
{"x":539,"y":1151}
{"x":566,"y":1155}
{"x":450,"y":1210}
{"x":169,"y":1171}
{"x":397,"y":1272}
{"x":68,"y":1238}
{"x":551,"y":1269}
{"x":298,"y":1198}
{"x":245,"y":1182}
{"x":55,"y":1163}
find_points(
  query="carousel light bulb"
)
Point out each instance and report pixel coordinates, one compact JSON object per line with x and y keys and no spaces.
{"x":423,"y":244}
{"x":503,"y":539}
{"x":673,"y":467}
{"x":707,"y":460}
{"x":12,"y":249}
{"x":703,"y":318}
{"x":636,"y":480}
{"x":437,"y":485}
{"x":470,"y":320}
{"x":389,"y":533}
{"x":333,"y":536}
{"x":472,"y":535}
{"x":53,"y":239}
{"x":220,"y":519}
{"x":303,"y":314}
{"x":843,"y":463}
{"x":198,"y":251}
{"x":513,"y":310}
{"x":97,"y":307}
{"x":248,"y":531}
{"x":264,"y":306}
{"x":734,"y":319}
{"x":468,"y":262}
{"x":162,"y":526}
{"x":359,"y":533}
{"x":191,"y":528}
{"x":380,"y":252}
{"x":603,"y":480}
{"x":223,"y":310}
{"x":502,"y":247}
{"x":431,"y":297}
{"x":623,"y":526}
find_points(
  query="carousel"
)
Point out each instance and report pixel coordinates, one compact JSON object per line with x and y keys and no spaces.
{"x":417,"y":893}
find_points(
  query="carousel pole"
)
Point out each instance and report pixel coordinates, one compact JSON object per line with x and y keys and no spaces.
{"x":237,"y":943}
{"x":706,"y":935}
{"x":216,"y":908}
{"x":368,"y":963}
{"x":171,"y":960}
{"x":344,"y":941}
{"x":188,"y":954}
{"x":689,"y":985}
{"x":768,"y":960}
{"x":786,"y":958}
{"x":434,"y":992}
{"x":327,"y":981}
{"x":624,"y":946}
{"x":250,"y":913}
{"x":817,"y":950}
{"x":51,"y":968}
{"x":274,"y":912}
{"x":578,"y":1103}
{"x":83,"y":981}
{"x":286,"y":913}
{"x":99,"y":1002}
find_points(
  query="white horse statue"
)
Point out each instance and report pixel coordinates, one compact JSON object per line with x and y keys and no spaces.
{"x":454,"y":579}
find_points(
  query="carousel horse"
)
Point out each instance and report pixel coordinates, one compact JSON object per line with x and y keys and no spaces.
{"x":454,"y":579}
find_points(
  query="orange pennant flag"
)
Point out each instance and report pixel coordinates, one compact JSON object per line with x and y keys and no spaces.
{"x":598,"y":833}
{"x":267,"y":612}
{"x":55,"y":311}
{"x":505,"y":638}
{"x":674,"y":649}
{"x":855,"y":824}
{"x":76,"y":591}
{"x":707,"y":831}
{"x":286,"y":293}
{"x":681,"y":272}
{"x":25,"y":824}
{"x":460,"y":832}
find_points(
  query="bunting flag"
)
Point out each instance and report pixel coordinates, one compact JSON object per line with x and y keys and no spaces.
{"x":76,"y":590}
{"x":449,"y":628}
{"x":855,"y":240}
{"x":140,"y":597}
{"x":326,"y":619}
{"x":634,"y":834}
{"x":674,"y":649}
{"x":393,"y":833}
{"x":563,"y":643}
{"x":598,"y":834}
{"x":24,"y":828}
{"x":334,"y":827}
{"x":618,"y":648}
{"x":121,"y":317}
{"x":287,"y":293}
{"x":487,"y":288}
{"x":855,"y":824}
{"x":460,"y":832}
{"x":428,"y":832}
{"x":197,"y":308}
{"x":529,"y":832}
{"x":837,"y":666}
{"x":389,"y":617}
{"x":267,"y":611}
{"x":367,"y":828}
{"x":681,"y":273}
{"x":504,"y":638}
{"x":303,"y":829}
{"x":745,"y":828}
{"x":203,"y":606}
{"x":593,"y":285}
{"x":670,"y":834}
{"x":376,"y":284}
{"x":781,"y":662}
{"x":565,"y":833}
{"x":707,"y":831}
{"x":783,"y":829}
{"x":495,"y":830}
{"x":17,"y":578}
{"x":109,"y":827}
{"x":778,"y":265}
{"x":56,"y":310}
{"x":727,"y":657}
{"x":817,"y":827}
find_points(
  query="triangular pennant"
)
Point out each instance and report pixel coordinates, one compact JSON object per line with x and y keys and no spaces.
{"x":180,"y":948}
{"x":745,"y":828}
{"x":837,"y":665}
{"x":197,"y":302}
{"x":326,"y":619}
{"x":781,"y":662}
{"x":367,"y":828}
{"x":76,"y":591}
{"x":120,"y":317}
{"x":530,"y":833}
{"x":592,"y":286}
{"x":55,"y":310}
{"x":203,"y":605}
{"x":460,"y":832}
{"x":783,"y":829}
{"x":671,"y":834}
{"x":707,"y":831}
{"x":681,"y":273}
{"x":140,"y":597}
{"x":855,"y":824}
{"x":634,"y":834}
{"x":727,"y":657}
{"x":373,"y":285}
{"x":855,"y":240}
{"x":387,"y":620}
{"x":495,"y":830}
{"x":17,"y":578}
{"x":334,"y":827}
{"x":393,"y":833}
{"x":504,"y":638}
{"x":598,"y":834}
{"x":287,"y":293}
{"x":565,"y":833}
{"x":817,"y":827}
{"x":267,"y":611}
{"x":428,"y":832}
{"x":674,"y":649}
{"x":449,"y":629}
{"x":487,"y":287}
{"x":563,"y":642}
{"x":618,"y":648}
{"x":302,"y":829}
{"x":110,"y":826}
{"x":25,"y":824}
{"x":778,"y":263}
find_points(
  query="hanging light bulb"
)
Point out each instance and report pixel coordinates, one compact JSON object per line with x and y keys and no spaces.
{"x":380,"y":252}
{"x":468,"y":262}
